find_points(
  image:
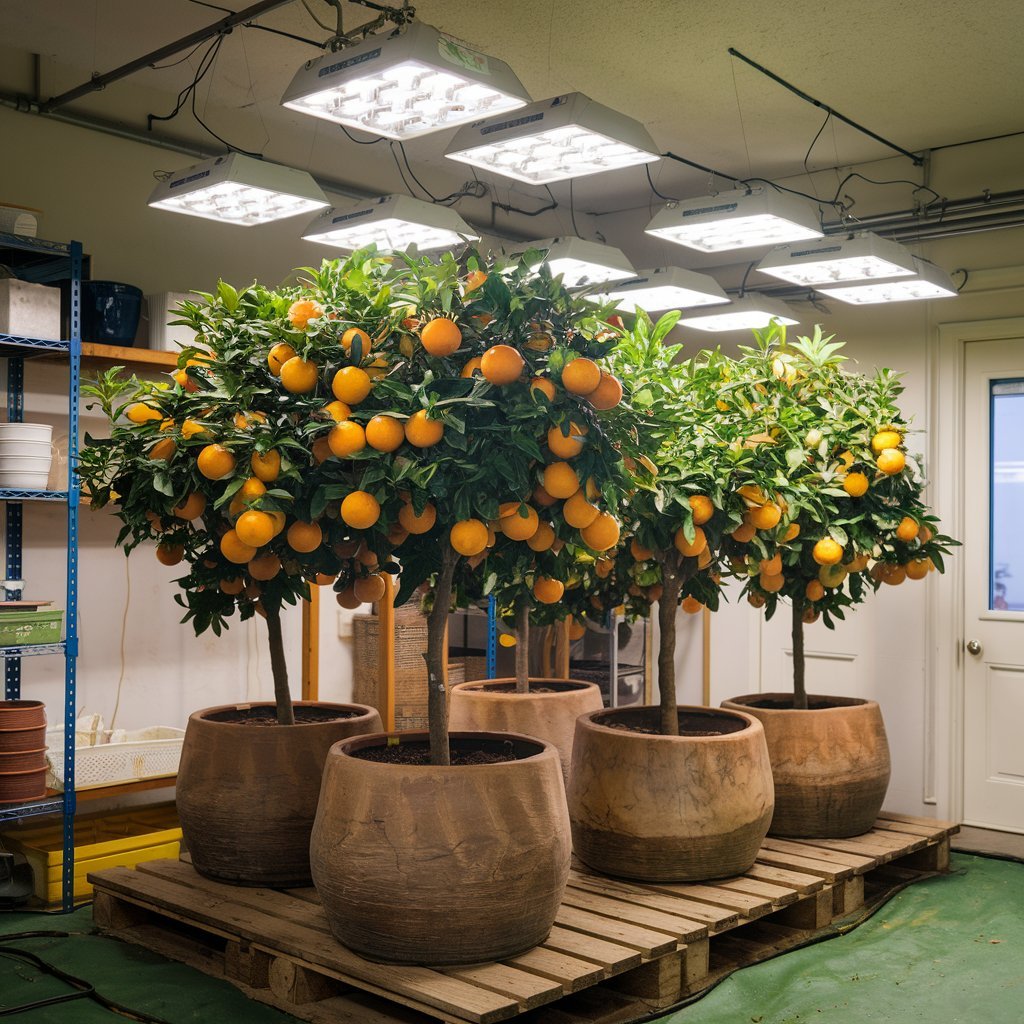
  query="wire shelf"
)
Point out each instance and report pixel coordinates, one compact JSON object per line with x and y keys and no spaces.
{"x":49,"y":805}
{"x":31,"y":650}
{"x":26,"y":346}
{"x":25,"y":494}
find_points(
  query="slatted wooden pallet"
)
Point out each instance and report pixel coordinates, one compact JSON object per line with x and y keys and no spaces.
{"x":618,"y":949}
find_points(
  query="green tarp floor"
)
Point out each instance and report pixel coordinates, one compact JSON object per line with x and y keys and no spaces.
{"x":943,"y":951}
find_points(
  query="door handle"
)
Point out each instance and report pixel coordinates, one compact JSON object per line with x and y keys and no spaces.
{"x":973,"y":647}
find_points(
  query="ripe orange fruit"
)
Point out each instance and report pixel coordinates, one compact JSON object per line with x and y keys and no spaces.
{"x":353,"y":334}
{"x":907,"y":530}
{"x":266,"y":567}
{"x":507,"y":640}
{"x":252,"y":489}
{"x":441,"y":336}
{"x":215,"y":462}
{"x":369,"y":588}
{"x":607,"y":394}
{"x":473,"y":366}
{"x":581,"y":376}
{"x":703,"y":508}
{"x":704,"y":559}
{"x":893,"y":574}
{"x":602,"y":533}
{"x":925,"y":534}
{"x":468,"y":537}
{"x":321,"y":450}
{"x":302,"y":311}
{"x":191,"y":428}
{"x":744,"y":533}
{"x":691,"y":605}
{"x":234,"y":550}
{"x":346,"y":438}
{"x":542,"y":498}
{"x":163,"y":449}
{"x":543,"y":386}
{"x":474,"y":279}
{"x":278,"y":356}
{"x":304,"y":537}
{"x":351,"y":385}
{"x":542,"y":539}
{"x":771,"y":566}
{"x":560,"y":480}
{"x":566,"y":446}
{"x":891,"y":461}
{"x":858,"y":564}
{"x":299,"y":376}
{"x":421,"y":431}
{"x":347,"y":598}
{"x":918,"y":568}
{"x":266,"y":466}
{"x":422,"y":523}
{"x":771,"y":584}
{"x":232,"y":587}
{"x":855,"y":484}
{"x":170,"y":554}
{"x":384,"y":433}
{"x":886,"y":439}
{"x":517,"y":520}
{"x":814,"y":591}
{"x":603,"y":567}
{"x":547,"y":590}
{"x":690,"y":549}
{"x":255,"y":528}
{"x":279,"y":521}
{"x":360,"y":510}
{"x":323,"y":579}
{"x":755,"y":600}
{"x":764,"y":517}
{"x":832,"y":576}
{"x":578,"y":511}
{"x":639,"y":552}
{"x":502,"y":364}
{"x":139,"y":412}
{"x":792,"y":532}
{"x":827,"y":552}
{"x":338,"y":410}
{"x":192,"y":507}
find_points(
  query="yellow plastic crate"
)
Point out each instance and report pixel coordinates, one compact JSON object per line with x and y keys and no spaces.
{"x":114,"y":839}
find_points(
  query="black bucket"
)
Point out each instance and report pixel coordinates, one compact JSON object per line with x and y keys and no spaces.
{"x":110,"y":312}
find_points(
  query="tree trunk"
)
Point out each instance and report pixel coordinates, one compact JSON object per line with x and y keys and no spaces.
{"x":799,"y":689}
{"x":437,"y":695}
{"x":668,"y":607}
{"x":522,"y":645}
{"x":278,"y":667}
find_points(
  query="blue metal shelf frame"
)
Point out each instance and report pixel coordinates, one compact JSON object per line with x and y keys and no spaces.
{"x":492,"y":637}
{"x":16,"y":349}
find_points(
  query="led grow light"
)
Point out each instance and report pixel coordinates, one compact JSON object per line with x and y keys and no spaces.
{"x":665,"y":288}
{"x":580,"y":262}
{"x":737,"y":220}
{"x":239,"y":189}
{"x":862,"y":257}
{"x":564,"y":137}
{"x":393,"y":222}
{"x":405,"y":86}
{"x":928,"y":282}
{"x":749,"y":312}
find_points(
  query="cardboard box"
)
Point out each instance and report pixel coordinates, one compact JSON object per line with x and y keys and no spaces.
{"x":29,"y":310}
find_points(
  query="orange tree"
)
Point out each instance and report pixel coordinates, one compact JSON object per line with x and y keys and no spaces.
{"x":831,"y":498}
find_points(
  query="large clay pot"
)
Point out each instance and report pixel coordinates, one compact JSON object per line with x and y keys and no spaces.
{"x":22,"y":751}
{"x":247,"y":794}
{"x":548,"y":712}
{"x":669,"y":808}
{"x":418,"y":864}
{"x":22,"y":725}
{"x":830,"y":761}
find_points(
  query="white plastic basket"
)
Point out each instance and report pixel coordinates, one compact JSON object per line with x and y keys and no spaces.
{"x":142,"y":754}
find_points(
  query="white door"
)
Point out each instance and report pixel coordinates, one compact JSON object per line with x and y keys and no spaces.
{"x":993,"y":574}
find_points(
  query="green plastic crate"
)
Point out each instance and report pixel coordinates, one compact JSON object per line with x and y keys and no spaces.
{"x":20,"y":628}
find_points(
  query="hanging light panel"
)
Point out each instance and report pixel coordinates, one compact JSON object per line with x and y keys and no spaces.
{"x":406,"y":85}
{"x":393,"y":222}
{"x":239,"y":189}
{"x":927,"y":282}
{"x":665,"y":288}
{"x":737,"y":220}
{"x":581,"y":262}
{"x":748,"y":312}
{"x":862,"y":257}
{"x":554,"y":140}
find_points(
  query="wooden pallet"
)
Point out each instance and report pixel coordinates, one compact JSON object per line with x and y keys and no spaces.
{"x":617,"y":951}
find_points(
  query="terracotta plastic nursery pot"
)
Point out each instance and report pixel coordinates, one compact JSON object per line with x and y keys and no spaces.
{"x":669,"y":808}
{"x":247,"y":793}
{"x":420,"y":864}
{"x":492,"y":705}
{"x":830,"y":761}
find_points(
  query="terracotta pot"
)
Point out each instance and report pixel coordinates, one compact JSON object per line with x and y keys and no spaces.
{"x":17,"y":740}
{"x":418,"y":864}
{"x":669,"y":808}
{"x":22,"y":714}
{"x":22,"y":760}
{"x":247,"y":794}
{"x":492,"y":705}
{"x":831,"y":762}
{"x":20,"y":786}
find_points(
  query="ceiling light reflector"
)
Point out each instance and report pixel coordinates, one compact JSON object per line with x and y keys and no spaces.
{"x":749,"y":312}
{"x":580,"y":262}
{"x":863,"y":257}
{"x":737,"y":220}
{"x":553,"y":140}
{"x":393,"y":222}
{"x":666,"y":288}
{"x":239,"y":189}
{"x":402,"y":87}
{"x":927,"y":282}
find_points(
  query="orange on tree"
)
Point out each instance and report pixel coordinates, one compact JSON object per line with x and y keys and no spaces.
{"x":338,"y":410}
{"x":474,"y":279}
{"x":417,"y":523}
{"x":299,"y":376}
{"x":639,"y":552}
{"x":579,"y":512}
{"x":690,"y":548}
{"x":423,"y":432}
{"x":703,"y":508}
{"x":369,"y":588}
{"x":891,"y":461}
{"x":607,"y":394}
{"x":814,"y":591}
{"x":441,"y":336}
{"x":547,"y":590}
{"x":170,"y":554}
{"x":581,"y":376}
{"x":192,"y":507}
{"x":855,"y":484}
{"x":468,"y":537}
{"x":232,"y":587}
{"x":384,"y":433}
{"x":351,"y":385}
{"x":771,"y":566}
{"x":602,"y":534}
{"x":907,"y":529}
{"x":164,"y":449}
{"x":193,"y":428}
{"x":304,"y":537}
{"x":254,"y":528}
{"x":278,"y":356}
{"x":792,"y":532}
{"x":560,"y":480}
{"x":354,"y":334}
{"x":691,"y":605}
{"x":473,"y":366}
{"x":542,"y":498}
{"x":566,"y":445}
{"x":302,"y":311}
{"x":887,"y":438}
{"x":502,"y":364}
{"x":252,"y":489}
{"x":234,"y":549}
{"x":264,"y":567}
{"x":517,"y":520}
{"x":771,"y":584}
{"x":140,"y":412}
{"x":827,"y":552}
{"x":360,"y":510}
{"x":216,"y":462}
{"x":764,"y":517}
{"x":542,"y":539}
{"x":346,"y":438}
{"x":266,"y":466}
{"x":918,"y":568}
{"x":543,"y":386}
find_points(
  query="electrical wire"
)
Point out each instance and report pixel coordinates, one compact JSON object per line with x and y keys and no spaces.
{"x":262,"y":28}
{"x":572,"y":210}
{"x":660,"y":195}
{"x":180,"y":60}
{"x":361,"y":142}
{"x":746,"y":274}
{"x":891,"y":181}
{"x":700,"y":167}
{"x":509,"y":208}
{"x":412,"y":173}
{"x":967,"y":277}
{"x":807,"y":155}
{"x":124,"y":639}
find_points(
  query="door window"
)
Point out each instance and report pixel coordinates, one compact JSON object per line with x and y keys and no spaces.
{"x":1006,"y":538}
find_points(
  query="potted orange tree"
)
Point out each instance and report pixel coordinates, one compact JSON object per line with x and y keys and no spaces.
{"x":648,"y":797}
{"x":833,"y":509}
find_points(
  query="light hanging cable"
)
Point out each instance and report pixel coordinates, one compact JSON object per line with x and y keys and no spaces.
{"x":665,"y":288}
{"x":861,"y":257}
{"x":406,"y":85}
{"x":581,"y":262}
{"x":748,"y":312}
{"x":553,"y":140}
{"x":393,"y":222}
{"x":737,"y":220}
{"x":239,"y":189}
{"x":927,"y":282}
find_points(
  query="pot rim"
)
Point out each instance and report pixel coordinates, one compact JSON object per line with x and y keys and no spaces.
{"x":479,"y":687}
{"x":24,"y":728}
{"x":848,"y":703}
{"x":752,"y":724}
{"x":22,"y":753}
{"x":343,"y":748}
{"x":20,"y":705}
{"x":23,"y":771}
{"x":365,"y":711}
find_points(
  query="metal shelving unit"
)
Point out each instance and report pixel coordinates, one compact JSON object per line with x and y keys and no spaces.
{"x":39,"y":260}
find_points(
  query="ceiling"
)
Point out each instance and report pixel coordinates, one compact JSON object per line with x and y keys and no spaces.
{"x":923,"y":73}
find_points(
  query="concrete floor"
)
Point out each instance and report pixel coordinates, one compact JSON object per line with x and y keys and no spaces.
{"x":988,"y":841}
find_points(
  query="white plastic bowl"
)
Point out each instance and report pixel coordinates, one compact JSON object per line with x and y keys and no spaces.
{"x":25,"y":463}
{"x":24,"y":480}
{"x":36,"y":449}
{"x":26,"y":432}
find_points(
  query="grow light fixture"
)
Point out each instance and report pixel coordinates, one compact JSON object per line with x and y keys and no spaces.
{"x":553,"y":140}
{"x":737,"y":220}
{"x":665,"y":288}
{"x":239,"y":189}
{"x":393,"y":222}
{"x":927,"y":282}
{"x":862,"y":257}
{"x":407,"y":85}
{"x":580,"y":262}
{"x":748,"y":312}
